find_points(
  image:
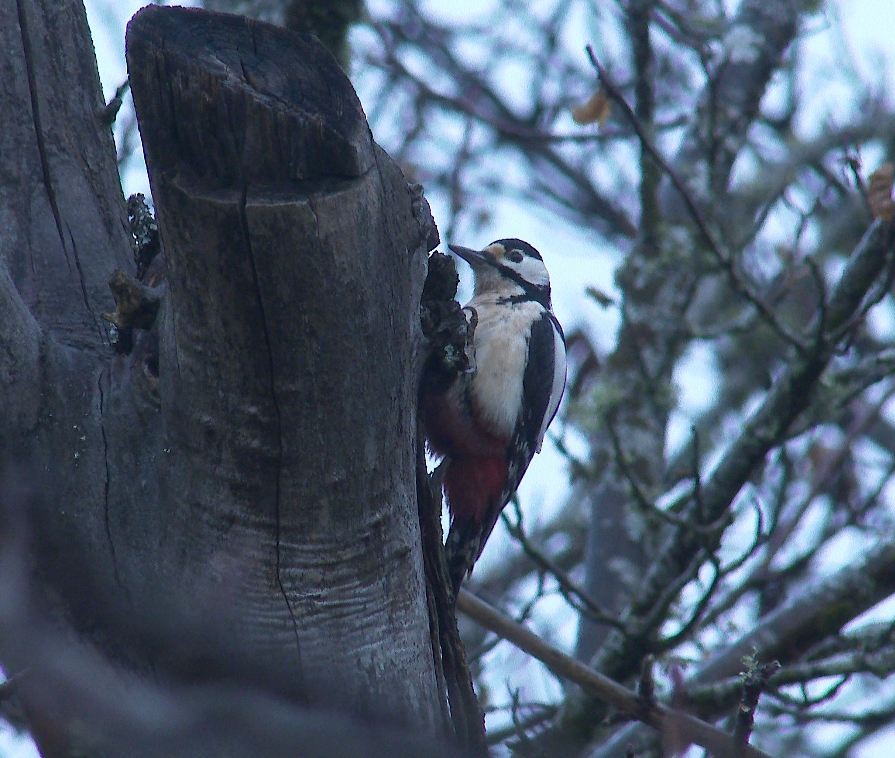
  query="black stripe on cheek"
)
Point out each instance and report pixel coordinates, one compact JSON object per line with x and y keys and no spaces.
{"x":533,"y":292}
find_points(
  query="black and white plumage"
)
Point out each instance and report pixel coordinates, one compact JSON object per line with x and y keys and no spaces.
{"x":490,"y":423}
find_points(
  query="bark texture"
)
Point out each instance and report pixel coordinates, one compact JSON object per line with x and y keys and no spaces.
{"x":63,"y":233}
{"x":243,"y":497}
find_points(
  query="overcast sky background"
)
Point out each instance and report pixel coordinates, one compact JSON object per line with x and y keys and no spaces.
{"x":864,"y":27}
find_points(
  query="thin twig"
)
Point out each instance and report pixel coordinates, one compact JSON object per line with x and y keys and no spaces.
{"x":658,"y":716}
{"x":537,"y":717}
{"x":726,"y":263}
{"x":820,"y":330}
{"x":110,"y":111}
{"x":671,"y":642}
{"x":567,"y":587}
{"x":767,"y":426}
{"x":648,"y":508}
{"x":755,"y":679}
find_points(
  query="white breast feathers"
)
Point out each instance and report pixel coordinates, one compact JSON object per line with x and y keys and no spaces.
{"x":501,"y":350}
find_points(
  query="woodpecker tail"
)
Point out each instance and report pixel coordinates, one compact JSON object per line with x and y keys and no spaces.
{"x":473,"y":487}
{"x":462,"y":548}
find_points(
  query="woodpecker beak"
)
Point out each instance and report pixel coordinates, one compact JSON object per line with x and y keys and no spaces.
{"x":473,"y":257}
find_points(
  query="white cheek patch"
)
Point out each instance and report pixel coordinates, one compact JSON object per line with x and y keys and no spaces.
{"x":532,"y":270}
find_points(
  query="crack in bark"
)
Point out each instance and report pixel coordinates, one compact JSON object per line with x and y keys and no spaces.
{"x":244,"y":224}
{"x":74,"y":246}
{"x":106,"y":483}
{"x":243,"y":219}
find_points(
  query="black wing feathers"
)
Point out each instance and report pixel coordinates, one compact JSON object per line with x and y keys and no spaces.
{"x":537,"y":384}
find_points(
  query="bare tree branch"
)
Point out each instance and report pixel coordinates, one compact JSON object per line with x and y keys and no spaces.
{"x":659,"y":717}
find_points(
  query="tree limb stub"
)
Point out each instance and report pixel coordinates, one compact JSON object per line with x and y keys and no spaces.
{"x":238,"y":105}
{"x":296,"y":259}
{"x":59,"y":239}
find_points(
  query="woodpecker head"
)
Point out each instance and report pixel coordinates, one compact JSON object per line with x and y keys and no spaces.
{"x":508,"y":266}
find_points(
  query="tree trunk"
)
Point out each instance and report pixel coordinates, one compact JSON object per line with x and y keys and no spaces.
{"x":64,"y":231}
{"x":249,"y":498}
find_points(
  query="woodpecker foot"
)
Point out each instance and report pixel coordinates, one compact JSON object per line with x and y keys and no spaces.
{"x":448,"y":328}
{"x":136,"y":307}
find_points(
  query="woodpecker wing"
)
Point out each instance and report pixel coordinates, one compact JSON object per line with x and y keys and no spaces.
{"x":542,"y":388}
{"x":543,"y":383}
{"x":540,"y":344}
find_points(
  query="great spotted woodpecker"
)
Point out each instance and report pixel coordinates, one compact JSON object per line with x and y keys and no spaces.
{"x":489,"y":423}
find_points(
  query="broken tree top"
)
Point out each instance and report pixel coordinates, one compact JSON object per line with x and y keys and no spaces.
{"x":290,"y":112}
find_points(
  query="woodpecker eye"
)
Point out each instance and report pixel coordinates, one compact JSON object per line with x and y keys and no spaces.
{"x":515,"y":256}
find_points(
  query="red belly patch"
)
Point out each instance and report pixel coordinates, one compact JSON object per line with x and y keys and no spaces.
{"x":473,"y":485}
{"x":453,"y":432}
